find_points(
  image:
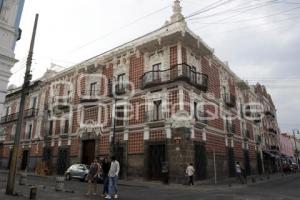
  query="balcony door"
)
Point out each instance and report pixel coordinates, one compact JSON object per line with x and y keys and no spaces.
{"x":156,"y":72}
{"x":93,"y":88}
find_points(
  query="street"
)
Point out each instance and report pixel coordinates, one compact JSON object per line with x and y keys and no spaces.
{"x":279,"y":187}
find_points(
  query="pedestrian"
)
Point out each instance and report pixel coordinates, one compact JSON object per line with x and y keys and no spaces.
{"x":190,"y":173}
{"x":105,"y":170}
{"x":92,"y":177}
{"x":238,"y":171}
{"x":113,"y":178}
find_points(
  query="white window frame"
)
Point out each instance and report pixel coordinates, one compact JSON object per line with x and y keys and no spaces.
{"x":27,"y":130}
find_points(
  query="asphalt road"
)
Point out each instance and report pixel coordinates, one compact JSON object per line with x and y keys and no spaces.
{"x":280,"y":188}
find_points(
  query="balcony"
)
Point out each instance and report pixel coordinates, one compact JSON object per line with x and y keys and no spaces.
{"x":229,"y":100}
{"x":272,"y":130}
{"x":32,"y":112}
{"x":257,"y":118}
{"x":121,"y":88}
{"x":269,"y":113}
{"x":61,"y":103}
{"x":155,"y":119}
{"x":230,"y":129}
{"x":180,"y":72}
{"x":201,"y":120}
{"x":2,"y":138}
{"x":89,"y":96}
{"x":274,"y":148}
{"x":9,"y":118}
{"x":246,"y":135}
{"x":258,"y":139}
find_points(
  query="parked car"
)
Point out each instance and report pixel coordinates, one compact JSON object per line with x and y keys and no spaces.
{"x":80,"y":171}
{"x":77,"y":171}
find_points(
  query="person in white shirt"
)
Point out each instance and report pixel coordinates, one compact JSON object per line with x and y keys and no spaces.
{"x":113,"y":178}
{"x":238,"y":171}
{"x":190,"y":173}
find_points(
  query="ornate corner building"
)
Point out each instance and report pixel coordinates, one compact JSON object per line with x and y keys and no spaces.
{"x":163,"y":99}
{"x":10,"y":16}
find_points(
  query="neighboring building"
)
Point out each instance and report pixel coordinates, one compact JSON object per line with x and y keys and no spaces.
{"x":10,"y":15}
{"x":269,"y":131}
{"x":177,"y":103}
{"x":287,"y":146}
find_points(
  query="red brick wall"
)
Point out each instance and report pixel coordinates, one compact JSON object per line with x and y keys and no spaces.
{"x":187,"y":101}
{"x":250,"y":129}
{"x":91,"y":114}
{"x":238,"y":151}
{"x":237,"y":127}
{"x":137,"y":114}
{"x":157,"y":135}
{"x":74,"y":149}
{"x":198,"y":135}
{"x":173,"y":56}
{"x":135,"y":143}
{"x":104,"y":145}
{"x":215,"y":143}
{"x":173,"y":102}
{"x":136,"y":70}
{"x":213,"y":76}
{"x":108,"y":73}
{"x":216,"y":123}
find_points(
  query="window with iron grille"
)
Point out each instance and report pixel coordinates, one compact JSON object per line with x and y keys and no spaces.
{"x":156,"y":71}
{"x":66,"y":128}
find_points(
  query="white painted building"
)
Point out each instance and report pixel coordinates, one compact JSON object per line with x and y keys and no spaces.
{"x":10,"y":15}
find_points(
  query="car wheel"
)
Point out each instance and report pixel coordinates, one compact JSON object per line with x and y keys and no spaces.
{"x":68,"y":177}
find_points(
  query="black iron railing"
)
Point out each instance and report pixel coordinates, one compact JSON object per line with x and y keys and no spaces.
{"x":32,"y":112}
{"x":229,"y":100}
{"x":178,"y":72}
{"x":9,"y":118}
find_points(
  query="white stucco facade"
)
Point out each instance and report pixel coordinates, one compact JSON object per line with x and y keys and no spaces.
{"x":10,"y":15}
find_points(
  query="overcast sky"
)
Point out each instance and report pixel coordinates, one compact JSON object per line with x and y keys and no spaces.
{"x":259,"y":38}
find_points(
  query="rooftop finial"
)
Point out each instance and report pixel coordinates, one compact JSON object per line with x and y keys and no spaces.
{"x":177,"y":16}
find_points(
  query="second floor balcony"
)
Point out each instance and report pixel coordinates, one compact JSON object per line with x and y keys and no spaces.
{"x":180,"y":72}
{"x":230,"y":128}
{"x":32,"y":112}
{"x":90,"y":95}
{"x":9,"y":118}
{"x":229,"y":100}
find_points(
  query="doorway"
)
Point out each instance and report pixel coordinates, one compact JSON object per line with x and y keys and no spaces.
{"x":200,"y":161}
{"x":62,"y":161}
{"x":88,"y":151}
{"x":24,"y":159}
{"x":157,"y":156}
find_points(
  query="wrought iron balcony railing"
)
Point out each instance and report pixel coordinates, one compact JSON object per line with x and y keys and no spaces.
{"x":32,"y":112}
{"x":230,"y":128}
{"x":9,"y":118}
{"x":229,"y":100}
{"x":180,"y":72}
{"x":90,"y":95}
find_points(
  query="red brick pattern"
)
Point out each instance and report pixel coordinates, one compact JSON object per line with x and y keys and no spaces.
{"x":137,"y":114}
{"x":157,"y":135}
{"x":238,"y":151}
{"x":173,"y":56}
{"x":173,"y":102}
{"x":136,"y":70}
{"x":135,"y":143}
{"x":104,"y":145}
{"x":198,"y":135}
{"x":187,"y":101}
{"x":216,"y":123}
{"x":213,"y":74}
{"x":214,"y":143}
{"x":74,"y":149}
{"x":91,"y":114}
{"x":250,"y":129}
{"x":237,"y":127}
{"x":108,"y":73}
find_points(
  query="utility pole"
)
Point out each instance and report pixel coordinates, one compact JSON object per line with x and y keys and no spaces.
{"x":13,"y":165}
{"x":296,"y":148}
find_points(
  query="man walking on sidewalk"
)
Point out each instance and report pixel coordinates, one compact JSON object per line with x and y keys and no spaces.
{"x":113,"y":178}
{"x":190,"y":172}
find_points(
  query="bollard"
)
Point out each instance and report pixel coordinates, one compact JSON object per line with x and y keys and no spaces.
{"x":33,"y":192}
{"x":60,"y":183}
{"x":23,"y":179}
